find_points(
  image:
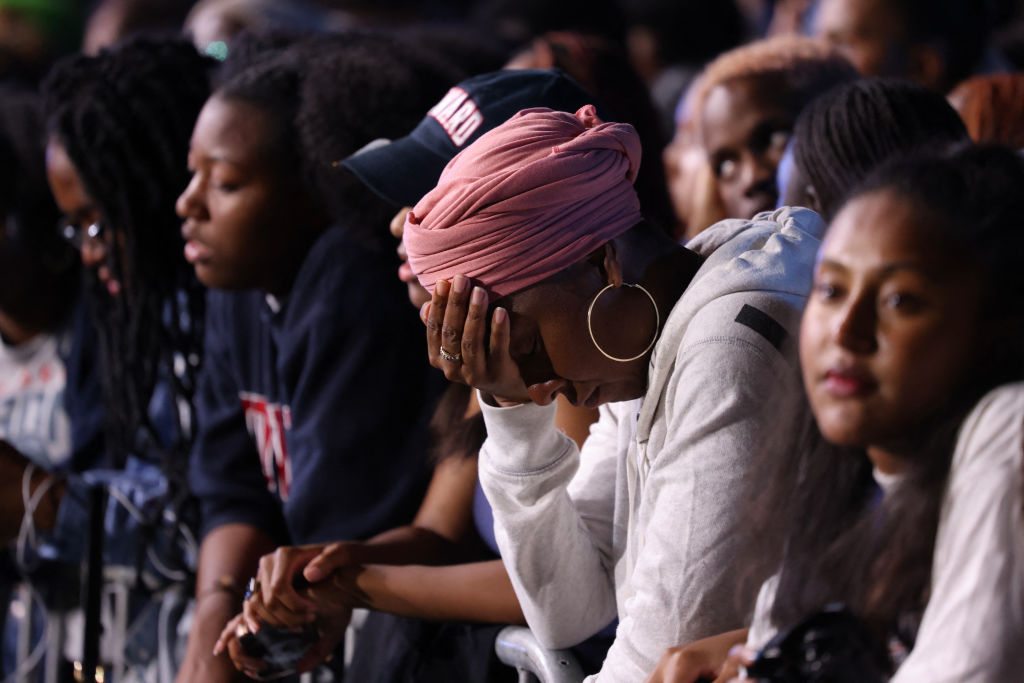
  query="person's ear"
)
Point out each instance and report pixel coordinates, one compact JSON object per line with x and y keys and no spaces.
{"x":928,"y":66}
{"x":606,"y":258}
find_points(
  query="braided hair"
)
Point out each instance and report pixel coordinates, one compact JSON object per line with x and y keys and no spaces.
{"x":124,"y":118}
{"x":844,"y":134}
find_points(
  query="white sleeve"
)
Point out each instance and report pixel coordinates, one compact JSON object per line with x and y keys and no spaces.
{"x":972,"y":629}
{"x":761,"y":628}
{"x":694,"y":577}
{"x":558,"y":551}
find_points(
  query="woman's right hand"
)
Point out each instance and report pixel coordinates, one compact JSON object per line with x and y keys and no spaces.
{"x":456,"y":320}
{"x":709,"y":659}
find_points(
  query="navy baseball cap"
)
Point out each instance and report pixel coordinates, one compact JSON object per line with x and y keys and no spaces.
{"x":404,"y":170}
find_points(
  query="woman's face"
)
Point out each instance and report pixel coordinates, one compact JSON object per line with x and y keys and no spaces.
{"x":745,"y":126}
{"x":551,"y":343}
{"x":240,"y":212}
{"x":892,"y":327}
{"x":417,"y":294}
{"x":80,"y":212}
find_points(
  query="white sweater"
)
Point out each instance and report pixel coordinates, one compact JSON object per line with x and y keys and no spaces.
{"x":643,"y":523}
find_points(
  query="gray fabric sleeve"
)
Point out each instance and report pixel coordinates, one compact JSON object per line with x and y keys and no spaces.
{"x":558,"y":556}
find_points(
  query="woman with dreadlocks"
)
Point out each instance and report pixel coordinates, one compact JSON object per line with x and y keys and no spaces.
{"x":118,"y":126}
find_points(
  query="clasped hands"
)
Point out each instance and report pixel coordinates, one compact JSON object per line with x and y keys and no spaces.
{"x":460,"y":345}
{"x":295,"y":587}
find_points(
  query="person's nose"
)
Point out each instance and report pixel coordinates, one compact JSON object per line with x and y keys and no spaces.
{"x":188,"y":204}
{"x":758,"y":175}
{"x":855,"y":323}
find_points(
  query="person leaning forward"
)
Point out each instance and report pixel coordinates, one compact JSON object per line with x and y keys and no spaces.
{"x":546,"y":279}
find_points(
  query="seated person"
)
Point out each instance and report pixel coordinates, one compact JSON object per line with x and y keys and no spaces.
{"x":313,"y":394}
{"x":843,"y":135}
{"x":744,"y":107}
{"x":908,"y":507}
{"x":400,"y":575}
{"x":40,"y":320}
{"x":114,"y":167}
{"x":935,"y":43}
{"x":535,"y":249}
{"x":49,"y":418}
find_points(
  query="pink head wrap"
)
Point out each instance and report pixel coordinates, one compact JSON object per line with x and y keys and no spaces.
{"x":527,"y":199}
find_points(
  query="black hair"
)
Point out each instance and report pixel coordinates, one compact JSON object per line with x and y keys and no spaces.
{"x":125,"y":117}
{"x":877,"y":558}
{"x":30,"y":245}
{"x":272,"y":84}
{"x":367,"y":87}
{"x":251,"y":47}
{"x":853,"y":128}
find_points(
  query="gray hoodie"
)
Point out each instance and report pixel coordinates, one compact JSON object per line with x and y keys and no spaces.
{"x":644,"y":522}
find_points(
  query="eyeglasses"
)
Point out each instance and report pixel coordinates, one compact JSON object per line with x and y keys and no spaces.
{"x":75,"y":235}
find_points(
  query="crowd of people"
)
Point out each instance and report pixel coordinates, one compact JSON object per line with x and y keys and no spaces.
{"x":704,"y":359}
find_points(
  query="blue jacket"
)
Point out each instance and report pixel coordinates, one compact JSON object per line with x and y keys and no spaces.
{"x":313,"y":409}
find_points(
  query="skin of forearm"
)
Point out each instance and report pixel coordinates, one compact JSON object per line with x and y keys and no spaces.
{"x":478,"y":591}
{"x":409,"y":545}
{"x":229,"y":555}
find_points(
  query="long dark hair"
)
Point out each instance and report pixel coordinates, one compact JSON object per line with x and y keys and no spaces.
{"x":124,"y":118}
{"x":843,"y":545}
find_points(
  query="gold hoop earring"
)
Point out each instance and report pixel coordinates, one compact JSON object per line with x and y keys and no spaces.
{"x":590,"y":327}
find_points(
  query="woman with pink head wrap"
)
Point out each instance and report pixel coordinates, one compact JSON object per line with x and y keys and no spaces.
{"x":544,"y":197}
{"x":547,"y":188}
{"x":547,"y":280}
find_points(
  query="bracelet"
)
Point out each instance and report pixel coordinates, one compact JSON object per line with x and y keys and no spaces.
{"x":225,"y":584}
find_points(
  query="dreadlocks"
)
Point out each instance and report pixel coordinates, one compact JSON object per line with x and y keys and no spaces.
{"x":124,"y":117}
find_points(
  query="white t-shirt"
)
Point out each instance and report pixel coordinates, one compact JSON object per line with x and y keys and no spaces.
{"x":973,"y":627}
{"x":32,"y":414}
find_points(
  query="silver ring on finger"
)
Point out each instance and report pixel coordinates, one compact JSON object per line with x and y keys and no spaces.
{"x":448,"y":356}
{"x":252,"y":588}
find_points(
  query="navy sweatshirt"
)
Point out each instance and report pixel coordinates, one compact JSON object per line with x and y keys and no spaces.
{"x":312,"y":417}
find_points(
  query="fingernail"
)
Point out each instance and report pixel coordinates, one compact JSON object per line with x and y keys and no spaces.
{"x":500,"y":315}
{"x":313,"y":574}
{"x":477,"y":297}
{"x":442,"y":287}
{"x":424,"y":312}
{"x":459,"y":284}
